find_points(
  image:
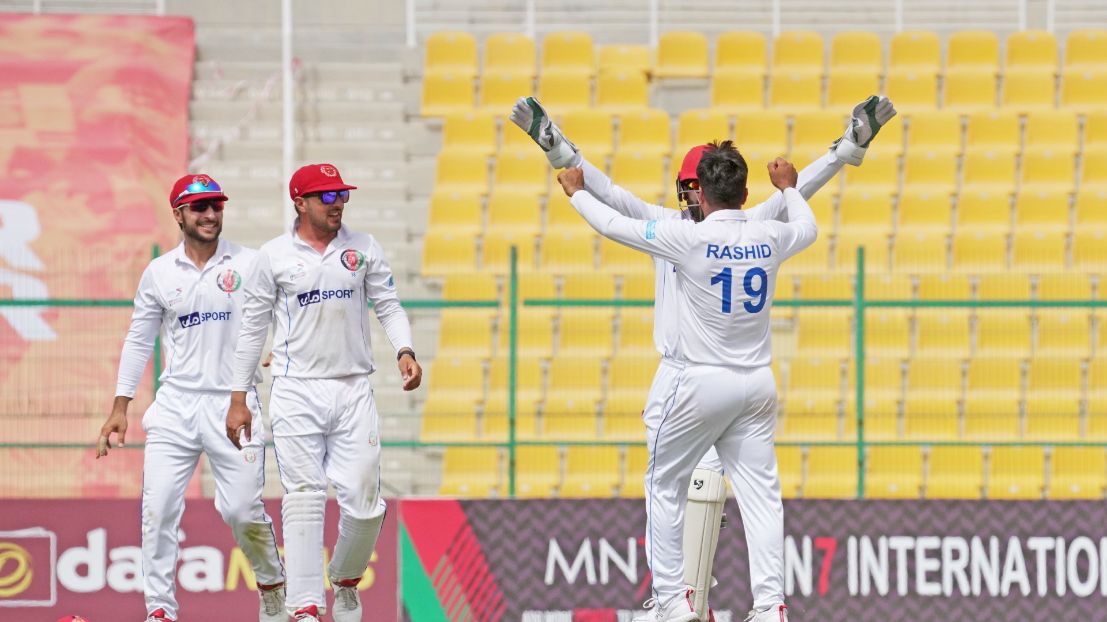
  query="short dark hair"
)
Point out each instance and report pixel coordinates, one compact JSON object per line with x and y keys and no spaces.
{"x":722,"y":172}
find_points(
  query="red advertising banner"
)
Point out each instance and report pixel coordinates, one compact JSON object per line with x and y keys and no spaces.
{"x":82,"y":557}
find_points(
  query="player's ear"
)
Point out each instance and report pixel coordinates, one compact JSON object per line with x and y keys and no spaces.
{"x":298,"y":205}
{"x":179,"y":217}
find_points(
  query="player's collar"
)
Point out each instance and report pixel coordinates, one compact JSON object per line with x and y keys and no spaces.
{"x":726,"y":214}
{"x":222,"y":251}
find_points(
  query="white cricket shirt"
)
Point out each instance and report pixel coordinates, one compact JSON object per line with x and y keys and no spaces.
{"x":318,"y":305}
{"x":198,"y":311}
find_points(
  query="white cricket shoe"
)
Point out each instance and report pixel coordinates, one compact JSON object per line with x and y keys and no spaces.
{"x":271,"y":608}
{"x":347,"y":601}
{"x":776,"y":613}
{"x":678,"y":609}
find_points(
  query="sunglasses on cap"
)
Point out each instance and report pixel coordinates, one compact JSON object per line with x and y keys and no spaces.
{"x":330,"y":196}
{"x":197,"y":187}
{"x":199,"y":207}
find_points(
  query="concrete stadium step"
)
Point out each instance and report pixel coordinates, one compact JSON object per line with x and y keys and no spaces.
{"x":238,"y":90}
{"x":234,"y":70}
{"x":379,"y":154}
{"x":316,"y":112}
{"x":314,"y":44}
{"x":316,"y":132}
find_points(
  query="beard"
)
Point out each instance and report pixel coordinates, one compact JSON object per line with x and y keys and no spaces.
{"x":195,"y":232}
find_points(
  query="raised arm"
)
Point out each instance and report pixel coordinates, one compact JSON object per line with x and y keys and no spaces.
{"x":800,"y":231}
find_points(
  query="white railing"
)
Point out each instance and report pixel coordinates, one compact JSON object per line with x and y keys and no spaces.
{"x":133,"y":7}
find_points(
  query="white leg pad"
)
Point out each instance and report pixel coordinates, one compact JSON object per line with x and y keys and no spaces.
{"x":702,"y":521}
{"x":303,"y":549}
{"x":357,"y":537}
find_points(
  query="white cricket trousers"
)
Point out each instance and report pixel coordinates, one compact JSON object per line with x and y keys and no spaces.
{"x":690,"y":409}
{"x":179,"y":426}
{"x":327,"y":429}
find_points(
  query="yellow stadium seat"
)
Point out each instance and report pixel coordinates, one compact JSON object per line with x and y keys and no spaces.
{"x":809,"y":419}
{"x":944,"y":287}
{"x":973,"y":50}
{"x":893,"y":473}
{"x":1052,"y":129}
{"x":1077,"y":473}
{"x":1045,"y":211}
{"x":929,"y":173}
{"x":1003,"y":332}
{"x":451,"y":52}
{"x":741,"y":52}
{"x":969,"y":91}
{"x":634,"y":485}
{"x":566,"y":251}
{"x":511,"y":210}
{"x":816,"y":130}
{"x":991,"y":417}
{"x":847,"y":86}
{"x":619,"y":259}
{"x":1093,"y":170}
{"x":912,"y":89}
{"x":445,"y":418}
{"x":798,"y":51}
{"x":762,"y":130}
{"x":636,"y":330}
{"x":1089,"y":251}
{"x":824,"y":332}
{"x":994,"y":375}
{"x":1097,"y":371}
{"x":876,"y":251}
{"x":1064,"y":287}
{"x":496,"y":255}
{"x":936,"y":131}
{"x":460,"y":377}
{"x":1091,"y":209}
{"x":699,"y":126}
{"x":622,"y":418}
{"x":643,"y":174}
{"x":591,"y":131}
{"x":445,"y":252}
{"x":591,"y":472}
{"x":813,"y":259}
{"x":576,"y":376}
{"x":919,"y":252}
{"x":1031,"y":49}
{"x":888,"y":333}
{"x":464,"y":332}
{"x":988,"y":169}
{"x":530,"y":287}
{"x":879,"y":175}
{"x":588,"y":285}
{"x":1053,"y":377}
{"x":883,"y":379}
{"x":825,"y":286}
{"x":1038,"y":252}
{"x":1029,"y":90}
{"x":1095,"y":130}
{"x":998,"y":129}
{"x":919,"y":51}
{"x":646,"y":132}
{"x":537,"y":472}
{"x":1003,"y":287}
{"x":470,"y":287}
{"x":789,"y":461}
{"x":445,"y":94}
{"x":568,"y":53}
{"x":889,"y":287}
{"x":955,"y":473}
{"x":528,"y":376}
{"x":629,"y":58}
{"x":471,"y":472}
{"x":923,"y":210}
{"x":461,"y":173}
{"x":1016,"y":473}
{"x":565,"y":92}
{"x":890,"y":141}
{"x":814,"y":378}
{"x":586,"y":332}
{"x":1053,"y":417}
{"x":795,"y":91}
{"x":1082,"y":89}
{"x":455,"y":212}
{"x":984,"y":211}
{"x":931,"y":418}
{"x":471,"y":133}
{"x":1086,"y":48}
{"x":622,"y":91}
{"x":523,"y":172}
{"x":509,"y":53}
{"x":562,"y":218}
{"x":944,"y":333}
{"x":980,"y":252}
{"x":681,"y":55}
{"x":569,"y":418}
{"x":858,"y":51}
{"x":1047,"y":169}
{"x":513,"y":141}
{"x":737,"y":92}
{"x":499,"y":90}
{"x":534,"y":334}
{"x":831,"y":473}
{"x":822,"y":205}
{"x":1064,"y":333}
{"x":496,"y":421}
{"x":630,"y":375}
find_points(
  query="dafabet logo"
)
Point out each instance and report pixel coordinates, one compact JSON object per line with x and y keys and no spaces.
{"x":28,"y":570}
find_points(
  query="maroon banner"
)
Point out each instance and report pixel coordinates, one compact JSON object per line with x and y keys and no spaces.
{"x":78,"y":557}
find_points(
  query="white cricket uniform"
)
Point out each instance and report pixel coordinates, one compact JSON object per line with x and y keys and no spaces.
{"x":325,"y":424}
{"x":715,"y":386}
{"x":199,"y":312}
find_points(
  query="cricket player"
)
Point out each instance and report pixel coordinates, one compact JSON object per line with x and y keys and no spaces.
{"x":316,"y":282}
{"x":707,"y":489}
{"x":194,"y":294}
{"x":716,"y":387}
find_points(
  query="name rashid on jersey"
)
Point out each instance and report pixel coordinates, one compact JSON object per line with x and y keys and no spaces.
{"x":758,"y":251}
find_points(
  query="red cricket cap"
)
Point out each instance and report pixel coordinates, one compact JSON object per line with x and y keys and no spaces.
{"x":195,"y":188}
{"x":316,"y":178}
{"x":691,"y":161}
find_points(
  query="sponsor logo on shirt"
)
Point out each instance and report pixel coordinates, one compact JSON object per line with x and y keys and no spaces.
{"x":351,"y":260}
{"x":229,"y":280}
{"x":196,"y":318}
{"x":319,"y":295}
{"x":651,"y":229}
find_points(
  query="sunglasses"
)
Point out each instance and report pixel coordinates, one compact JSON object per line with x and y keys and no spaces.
{"x":199,"y":207}
{"x":330,"y":196}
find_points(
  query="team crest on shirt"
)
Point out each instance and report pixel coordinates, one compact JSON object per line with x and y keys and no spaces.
{"x":250,"y":455}
{"x":229,"y":280}
{"x":352,"y":260}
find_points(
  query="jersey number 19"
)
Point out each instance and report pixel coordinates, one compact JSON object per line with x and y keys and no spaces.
{"x":758,"y":294}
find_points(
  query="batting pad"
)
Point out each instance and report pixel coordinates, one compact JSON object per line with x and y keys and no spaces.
{"x":702,"y":521}
{"x":303,"y":549}
{"x":357,"y":537}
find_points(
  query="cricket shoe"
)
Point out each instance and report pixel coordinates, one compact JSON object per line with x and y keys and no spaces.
{"x":272,"y":604}
{"x":158,"y":615}
{"x":307,"y":614}
{"x":776,"y":613}
{"x":678,"y":609}
{"x":347,"y":601}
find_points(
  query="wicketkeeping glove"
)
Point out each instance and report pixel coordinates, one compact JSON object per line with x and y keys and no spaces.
{"x":868,"y":117}
{"x":533,"y":119}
